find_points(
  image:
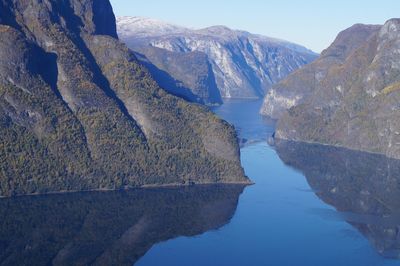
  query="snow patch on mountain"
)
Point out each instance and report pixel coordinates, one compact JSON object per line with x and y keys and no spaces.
{"x":245,"y":65}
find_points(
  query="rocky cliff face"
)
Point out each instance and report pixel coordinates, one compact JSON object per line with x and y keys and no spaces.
{"x":354,"y":100}
{"x":187,"y":75}
{"x":78,"y":112}
{"x":244,"y":65}
{"x":294,"y":89}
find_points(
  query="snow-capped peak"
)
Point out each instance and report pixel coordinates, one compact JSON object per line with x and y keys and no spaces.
{"x":143,"y":27}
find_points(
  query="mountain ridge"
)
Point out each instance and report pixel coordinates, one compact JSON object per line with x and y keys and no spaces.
{"x":348,"y":97}
{"x":79,"y":112}
{"x":293,"y":90}
{"x":146,"y":24}
{"x":245,"y":65}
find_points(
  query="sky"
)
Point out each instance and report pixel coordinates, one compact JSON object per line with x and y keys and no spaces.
{"x":312,"y":23}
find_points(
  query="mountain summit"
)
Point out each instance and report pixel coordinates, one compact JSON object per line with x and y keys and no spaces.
{"x":244,"y":65}
{"x":349,"y":96}
{"x":78,"y":112}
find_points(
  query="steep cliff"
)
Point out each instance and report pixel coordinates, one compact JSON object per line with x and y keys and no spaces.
{"x":187,"y":75}
{"x":294,"y":89}
{"x":245,"y":65}
{"x":78,"y":112}
{"x":353,"y":102}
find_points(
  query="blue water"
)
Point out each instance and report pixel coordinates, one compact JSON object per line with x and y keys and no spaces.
{"x":244,"y":115}
{"x":275,"y":222}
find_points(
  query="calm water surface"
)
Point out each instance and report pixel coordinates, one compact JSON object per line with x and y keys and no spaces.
{"x":344,"y":213}
{"x":310,"y":205}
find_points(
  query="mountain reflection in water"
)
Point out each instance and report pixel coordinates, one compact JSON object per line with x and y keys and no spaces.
{"x":364,"y":188}
{"x":107,"y":228}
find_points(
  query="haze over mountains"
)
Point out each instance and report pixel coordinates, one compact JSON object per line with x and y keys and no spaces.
{"x":348,"y":97}
{"x":244,"y":65}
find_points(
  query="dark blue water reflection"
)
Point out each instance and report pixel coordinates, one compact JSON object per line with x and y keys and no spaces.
{"x":311,"y":205}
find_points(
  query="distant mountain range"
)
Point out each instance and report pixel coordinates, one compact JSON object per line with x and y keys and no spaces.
{"x":348,"y":97}
{"x":243,"y":65}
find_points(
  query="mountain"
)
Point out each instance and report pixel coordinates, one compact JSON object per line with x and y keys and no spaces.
{"x":244,"y":65}
{"x":79,"y":112}
{"x":294,"y":89}
{"x":349,"y":96}
{"x":108,"y":228}
{"x":187,"y":75}
{"x":362,"y":187}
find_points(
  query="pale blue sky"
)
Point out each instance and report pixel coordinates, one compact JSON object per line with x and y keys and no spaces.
{"x":312,"y":23}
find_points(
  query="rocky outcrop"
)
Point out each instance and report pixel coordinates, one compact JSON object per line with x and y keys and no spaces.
{"x":244,"y":65}
{"x":187,"y":75}
{"x":353,"y":102}
{"x":79,"y":112}
{"x":108,"y":228}
{"x":294,"y":89}
{"x":362,"y":187}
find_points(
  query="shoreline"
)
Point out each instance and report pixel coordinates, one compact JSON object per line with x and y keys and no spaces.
{"x":336,"y":146}
{"x":127,"y":188}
